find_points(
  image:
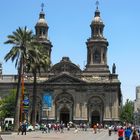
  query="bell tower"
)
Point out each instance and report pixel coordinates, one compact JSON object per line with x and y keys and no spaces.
{"x":41,"y":29}
{"x":97,"y":47}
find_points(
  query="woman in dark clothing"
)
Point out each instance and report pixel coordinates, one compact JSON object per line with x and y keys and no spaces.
{"x":135,"y":136}
{"x":20,"y":128}
{"x":1,"y":138}
{"x":24,"y":128}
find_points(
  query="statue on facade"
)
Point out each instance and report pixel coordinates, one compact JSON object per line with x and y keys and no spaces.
{"x":113,"y":68}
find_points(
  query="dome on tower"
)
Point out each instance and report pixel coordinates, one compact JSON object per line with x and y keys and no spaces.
{"x":42,"y":21}
{"x":97,"y":18}
{"x":97,"y":26}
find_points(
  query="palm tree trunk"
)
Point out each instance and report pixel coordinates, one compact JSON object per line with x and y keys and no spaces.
{"x":34,"y":100}
{"x":18,"y":95}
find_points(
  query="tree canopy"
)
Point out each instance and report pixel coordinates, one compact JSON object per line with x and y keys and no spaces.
{"x":21,"y":40}
{"x":7,"y":105}
{"x":127,"y":112}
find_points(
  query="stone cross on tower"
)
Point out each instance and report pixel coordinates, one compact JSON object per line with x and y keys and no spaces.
{"x":97,"y":4}
{"x":42,"y":6}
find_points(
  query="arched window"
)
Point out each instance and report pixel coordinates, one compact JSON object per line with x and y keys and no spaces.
{"x":44,"y":32}
{"x":97,"y":57}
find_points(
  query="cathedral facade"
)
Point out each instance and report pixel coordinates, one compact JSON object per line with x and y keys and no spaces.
{"x":66,"y":93}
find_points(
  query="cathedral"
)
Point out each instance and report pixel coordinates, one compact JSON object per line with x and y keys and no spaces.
{"x":67,"y":93}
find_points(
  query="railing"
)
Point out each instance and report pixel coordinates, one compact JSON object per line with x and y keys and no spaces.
{"x":8,"y":78}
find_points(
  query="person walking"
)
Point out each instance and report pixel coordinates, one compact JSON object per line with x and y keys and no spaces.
{"x":45,"y":128}
{"x":120,"y":133}
{"x":135,"y":136}
{"x":95,"y":128}
{"x":127,"y":133}
{"x":61,"y":128}
{"x":20,"y":128}
{"x":139,"y":132}
{"x":23,"y":128}
{"x":6,"y":126}
{"x":1,"y":138}
{"x":109,"y":130}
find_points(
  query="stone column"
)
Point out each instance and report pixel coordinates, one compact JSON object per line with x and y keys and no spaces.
{"x":105,"y":55}
{"x":102,"y":59}
{"x":58,"y":115}
{"x":52,"y":112}
{"x":84,"y":111}
{"x":71,"y":115}
{"x":107,"y":109}
{"x":89,"y":114}
{"x":77,"y":111}
{"x":91,"y":52}
{"x":115,"y":106}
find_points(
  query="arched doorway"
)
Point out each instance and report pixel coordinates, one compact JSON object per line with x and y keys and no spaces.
{"x":64,"y":115}
{"x":95,"y":117}
{"x":95,"y":110}
{"x":64,"y":108}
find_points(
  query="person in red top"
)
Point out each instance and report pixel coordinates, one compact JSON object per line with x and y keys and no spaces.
{"x":121,"y":133}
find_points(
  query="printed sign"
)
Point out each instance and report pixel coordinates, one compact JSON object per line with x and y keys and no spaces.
{"x":26,"y":103}
{"x":47,"y":100}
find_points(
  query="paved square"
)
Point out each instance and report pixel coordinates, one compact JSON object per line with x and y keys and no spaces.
{"x":67,"y":135}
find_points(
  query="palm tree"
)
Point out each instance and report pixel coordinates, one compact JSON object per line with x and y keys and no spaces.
{"x":20,"y":39}
{"x":36,"y":61}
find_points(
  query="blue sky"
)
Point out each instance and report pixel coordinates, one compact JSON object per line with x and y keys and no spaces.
{"x":69,"y":29}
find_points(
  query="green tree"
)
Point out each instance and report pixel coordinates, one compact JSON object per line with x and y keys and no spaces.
{"x":127,"y":112}
{"x":36,"y":62}
{"x":21,"y":40}
{"x":7,"y":105}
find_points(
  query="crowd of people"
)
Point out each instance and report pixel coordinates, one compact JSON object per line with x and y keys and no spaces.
{"x":126,"y":132}
{"x":57,"y":127}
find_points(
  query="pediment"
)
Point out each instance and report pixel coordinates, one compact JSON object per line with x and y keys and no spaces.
{"x":65,"y":65}
{"x":65,"y":79}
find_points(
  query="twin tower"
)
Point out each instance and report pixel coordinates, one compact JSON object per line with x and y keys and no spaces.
{"x":66,"y":93}
{"x":97,"y":44}
{"x":82,"y":96}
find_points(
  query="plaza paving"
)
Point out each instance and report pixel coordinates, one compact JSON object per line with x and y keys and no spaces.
{"x":67,"y":135}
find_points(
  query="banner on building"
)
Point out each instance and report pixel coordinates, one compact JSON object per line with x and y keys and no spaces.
{"x":26,"y":103}
{"x":47,"y":100}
